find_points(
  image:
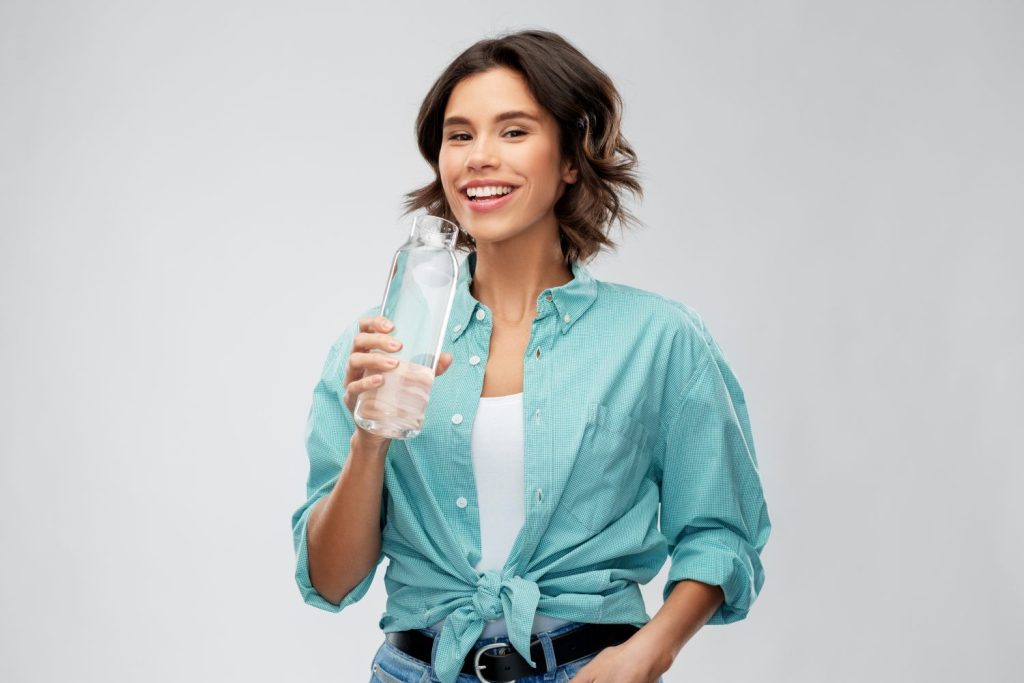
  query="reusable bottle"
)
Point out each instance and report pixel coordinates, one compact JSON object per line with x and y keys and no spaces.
{"x":418,"y":300}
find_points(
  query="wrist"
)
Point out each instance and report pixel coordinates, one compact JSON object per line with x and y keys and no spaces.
{"x":648,"y":646}
{"x":363,"y":442}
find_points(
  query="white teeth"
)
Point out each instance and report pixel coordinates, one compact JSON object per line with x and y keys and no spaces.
{"x":488,"y":191}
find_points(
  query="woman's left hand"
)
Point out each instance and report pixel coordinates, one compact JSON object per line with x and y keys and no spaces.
{"x":634,"y":661}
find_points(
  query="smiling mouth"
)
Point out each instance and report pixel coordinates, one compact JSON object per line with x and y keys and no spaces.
{"x":489,"y":197}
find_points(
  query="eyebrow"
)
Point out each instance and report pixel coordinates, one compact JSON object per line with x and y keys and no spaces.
{"x":504,"y":116}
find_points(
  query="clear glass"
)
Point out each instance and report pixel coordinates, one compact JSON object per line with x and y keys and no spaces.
{"x":418,"y":300}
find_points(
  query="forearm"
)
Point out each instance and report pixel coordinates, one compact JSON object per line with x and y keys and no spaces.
{"x":344,"y":535}
{"x":688,"y":608}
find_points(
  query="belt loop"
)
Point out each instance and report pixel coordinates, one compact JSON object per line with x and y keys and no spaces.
{"x":549,"y":656}
{"x":433,"y":649}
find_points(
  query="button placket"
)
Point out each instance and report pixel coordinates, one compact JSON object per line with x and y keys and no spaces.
{"x":539,"y":435}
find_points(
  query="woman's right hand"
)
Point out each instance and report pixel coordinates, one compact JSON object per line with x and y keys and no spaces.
{"x":364,"y":369}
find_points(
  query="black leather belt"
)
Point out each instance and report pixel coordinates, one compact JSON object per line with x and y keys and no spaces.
{"x":499,"y":662}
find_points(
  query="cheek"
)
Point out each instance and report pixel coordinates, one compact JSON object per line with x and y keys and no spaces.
{"x":447,"y":176}
{"x":543,"y":166}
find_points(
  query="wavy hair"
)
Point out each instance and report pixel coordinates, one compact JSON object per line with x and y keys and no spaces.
{"x":588,"y":109}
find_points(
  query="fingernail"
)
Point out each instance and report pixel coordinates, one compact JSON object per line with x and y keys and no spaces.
{"x":387,"y":325}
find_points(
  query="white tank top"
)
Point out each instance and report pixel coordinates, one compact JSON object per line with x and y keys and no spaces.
{"x":497,"y":451}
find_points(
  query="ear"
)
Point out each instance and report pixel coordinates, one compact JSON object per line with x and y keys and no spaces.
{"x":569,"y":172}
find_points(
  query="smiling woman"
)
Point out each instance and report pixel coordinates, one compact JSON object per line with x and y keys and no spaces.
{"x":506,"y":148}
{"x":581,"y":433}
{"x":530,"y":89}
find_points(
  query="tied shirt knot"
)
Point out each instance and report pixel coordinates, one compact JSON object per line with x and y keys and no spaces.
{"x":512,"y":596}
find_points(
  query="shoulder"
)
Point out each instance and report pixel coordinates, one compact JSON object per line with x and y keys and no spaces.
{"x":657,"y":312}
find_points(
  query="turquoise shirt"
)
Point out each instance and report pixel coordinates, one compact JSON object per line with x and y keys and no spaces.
{"x":629,"y":404}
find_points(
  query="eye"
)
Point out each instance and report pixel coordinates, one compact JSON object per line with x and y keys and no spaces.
{"x":456,"y":136}
{"x":521,"y":132}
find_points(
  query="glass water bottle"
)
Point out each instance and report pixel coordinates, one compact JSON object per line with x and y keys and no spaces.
{"x":418,"y":300}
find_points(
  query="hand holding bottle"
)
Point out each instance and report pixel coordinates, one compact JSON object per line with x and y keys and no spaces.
{"x":369,"y":359}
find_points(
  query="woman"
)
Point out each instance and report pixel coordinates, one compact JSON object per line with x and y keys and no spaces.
{"x":520,"y":522}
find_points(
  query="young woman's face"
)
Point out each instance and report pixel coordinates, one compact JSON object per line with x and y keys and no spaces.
{"x":479,"y":143}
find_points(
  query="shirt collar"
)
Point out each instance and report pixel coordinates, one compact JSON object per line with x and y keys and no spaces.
{"x":568,"y":301}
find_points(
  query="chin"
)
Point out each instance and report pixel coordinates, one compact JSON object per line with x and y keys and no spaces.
{"x":493,"y":236}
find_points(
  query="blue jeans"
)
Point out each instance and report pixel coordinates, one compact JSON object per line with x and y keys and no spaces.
{"x":391,"y":665}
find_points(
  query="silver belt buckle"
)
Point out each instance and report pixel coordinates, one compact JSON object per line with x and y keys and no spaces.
{"x":477,"y":666}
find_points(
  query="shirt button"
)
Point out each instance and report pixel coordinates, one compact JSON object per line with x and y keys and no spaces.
{"x":456,"y":328}
{"x":473,"y":360}
{"x":480,"y":315}
{"x":461,"y":501}
{"x":456,"y":419}
{"x":566,"y":318}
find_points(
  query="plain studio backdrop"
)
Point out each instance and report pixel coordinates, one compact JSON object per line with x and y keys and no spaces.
{"x":197,"y":197}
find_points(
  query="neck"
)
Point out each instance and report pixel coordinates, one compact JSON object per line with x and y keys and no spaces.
{"x":509,"y":281}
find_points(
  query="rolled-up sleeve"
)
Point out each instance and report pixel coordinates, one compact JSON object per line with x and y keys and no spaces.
{"x":329,"y":427}
{"x":713,"y":511}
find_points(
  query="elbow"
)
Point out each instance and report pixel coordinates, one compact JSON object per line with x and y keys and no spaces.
{"x":335,"y":586}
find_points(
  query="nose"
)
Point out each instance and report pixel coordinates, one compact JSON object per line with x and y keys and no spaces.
{"x":482,"y":154}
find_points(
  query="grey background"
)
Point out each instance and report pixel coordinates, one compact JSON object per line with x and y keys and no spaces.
{"x":196,"y":198}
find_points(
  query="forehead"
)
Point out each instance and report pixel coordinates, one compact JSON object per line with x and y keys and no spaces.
{"x":485,"y":94}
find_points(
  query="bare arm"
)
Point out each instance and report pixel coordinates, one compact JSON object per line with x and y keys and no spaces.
{"x":649,"y":652}
{"x":344,"y":526}
{"x":687,"y":609}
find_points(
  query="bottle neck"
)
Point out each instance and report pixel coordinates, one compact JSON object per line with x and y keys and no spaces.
{"x":433,"y":232}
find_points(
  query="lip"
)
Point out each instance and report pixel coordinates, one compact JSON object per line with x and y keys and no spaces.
{"x":486,"y":205}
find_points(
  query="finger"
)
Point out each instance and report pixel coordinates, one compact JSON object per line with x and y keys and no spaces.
{"x":353,"y":389}
{"x":372,"y":361}
{"x":375,"y":324}
{"x":444,"y":363}
{"x":417,"y":377}
{"x":364,"y":341}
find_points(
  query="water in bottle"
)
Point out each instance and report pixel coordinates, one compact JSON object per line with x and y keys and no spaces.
{"x":418,"y":300}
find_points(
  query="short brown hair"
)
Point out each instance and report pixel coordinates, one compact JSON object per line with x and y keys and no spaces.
{"x":588,"y":109}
